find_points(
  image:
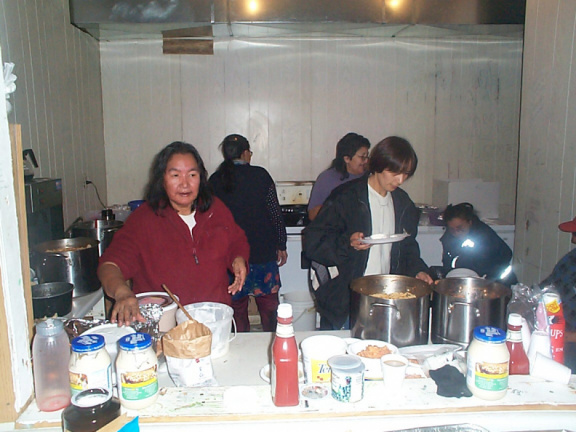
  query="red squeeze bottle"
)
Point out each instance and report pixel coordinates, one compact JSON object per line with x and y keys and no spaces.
{"x":519,"y":363}
{"x":284,"y":371}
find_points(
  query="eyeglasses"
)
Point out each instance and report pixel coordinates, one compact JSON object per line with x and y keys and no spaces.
{"x":251,"y":152}
{"x":363,"y":157}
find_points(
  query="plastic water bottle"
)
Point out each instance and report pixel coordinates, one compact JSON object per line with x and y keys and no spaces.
{"x":284,"y":371}
{"x":50,"y":356}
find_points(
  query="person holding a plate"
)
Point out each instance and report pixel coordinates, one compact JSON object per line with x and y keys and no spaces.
{"x":367,"y":226}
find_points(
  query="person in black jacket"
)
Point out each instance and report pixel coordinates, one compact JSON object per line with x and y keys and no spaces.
{"x":471,"y":244}
{"x":374,"y":204}
{"x":250,"y":194}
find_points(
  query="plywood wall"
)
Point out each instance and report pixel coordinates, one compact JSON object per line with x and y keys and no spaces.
{"x":456,"y":99}
{"x":58,"y":97}
{"x":547,"y":171}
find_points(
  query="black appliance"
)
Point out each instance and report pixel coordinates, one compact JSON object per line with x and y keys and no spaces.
{"x":44,"y":210}
{"x":295,"y":215}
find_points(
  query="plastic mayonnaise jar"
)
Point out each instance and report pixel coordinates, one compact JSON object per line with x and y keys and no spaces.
{"x":89,"y":366}
{"x":488,"y":358}
{"x":136,"y":371}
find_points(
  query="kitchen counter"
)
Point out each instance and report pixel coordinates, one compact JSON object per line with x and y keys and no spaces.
{"x":243,"y":398}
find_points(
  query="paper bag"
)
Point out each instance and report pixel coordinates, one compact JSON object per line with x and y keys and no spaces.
{"x":187,"y":351}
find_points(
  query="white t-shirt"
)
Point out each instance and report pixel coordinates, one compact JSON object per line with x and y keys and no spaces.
{"x":382,"y":210}
{"x":190,"y":220}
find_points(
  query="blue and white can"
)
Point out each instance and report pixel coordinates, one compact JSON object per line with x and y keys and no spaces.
{"x":347,"y":377}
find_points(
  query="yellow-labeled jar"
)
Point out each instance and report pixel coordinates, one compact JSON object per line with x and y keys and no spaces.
{"x":488,"y":360}
{"x":89,"y":366}
{"x":136,"y":371}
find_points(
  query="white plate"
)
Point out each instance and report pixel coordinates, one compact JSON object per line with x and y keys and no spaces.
{"x":462,"y":273}
{"x":383,"y":238}
{"x":265,"y":373}
{"x":422,"y":352}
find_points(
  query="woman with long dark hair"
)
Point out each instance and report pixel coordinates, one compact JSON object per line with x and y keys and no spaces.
{"x":182,"y":236}
{"x":350,"y":163}
{"x":250,"y":194}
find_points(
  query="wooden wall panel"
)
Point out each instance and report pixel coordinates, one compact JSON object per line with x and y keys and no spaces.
{"x":58,"y":103}
{"x":58,"y":97}
{"x":295,"y":98}
{"x":547,"y":176}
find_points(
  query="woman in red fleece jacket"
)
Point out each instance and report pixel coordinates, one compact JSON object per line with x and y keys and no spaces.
{"x":183,"y":237}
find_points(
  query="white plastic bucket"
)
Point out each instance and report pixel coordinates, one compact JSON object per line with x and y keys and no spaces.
{"x":303,"y":310}
{"x":218,"y":318}
{"x":316,"y":350}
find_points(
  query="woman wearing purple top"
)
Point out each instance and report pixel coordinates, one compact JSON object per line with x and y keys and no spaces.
{"x":351,"y":162}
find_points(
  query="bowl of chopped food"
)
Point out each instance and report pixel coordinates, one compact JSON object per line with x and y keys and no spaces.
{"x":371,"y":351}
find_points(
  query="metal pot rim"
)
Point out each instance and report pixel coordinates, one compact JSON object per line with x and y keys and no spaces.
{"x":450,"y":287}
{"x":64,"y":289}
{"x":68,"y":242}
{"x":406,"y":284}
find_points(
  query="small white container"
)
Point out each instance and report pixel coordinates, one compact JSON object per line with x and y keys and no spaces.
{"x":137,"y":371}
{"x":488,"y":362}
{"x":347,"y":377}
{"x":89,"y":366}
{"x":393,"y":370}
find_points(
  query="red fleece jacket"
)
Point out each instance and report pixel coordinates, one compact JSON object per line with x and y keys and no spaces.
{"x":158,"y":249}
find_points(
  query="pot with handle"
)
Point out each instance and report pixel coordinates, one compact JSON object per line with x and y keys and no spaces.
{"x":461,"y":304}
{"x":401,"y":321}
{"x":72,"y":260}
{"x":101,"y":230}
{"x":52,"y":298}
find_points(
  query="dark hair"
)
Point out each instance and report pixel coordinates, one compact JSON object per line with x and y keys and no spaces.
{"x":156,"y":192}
{"x":232,"y":148}
{"x":347,"y":146}
{"x":393,"y":154}
{"x":463,"y":211}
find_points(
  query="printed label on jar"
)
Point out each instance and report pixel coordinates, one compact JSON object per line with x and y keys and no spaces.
{"x":320,"y":371}
{"x":491,"y":376}
{"x":101,"y":378}
{"x":348,"y":387}
{"x":138,"y":385}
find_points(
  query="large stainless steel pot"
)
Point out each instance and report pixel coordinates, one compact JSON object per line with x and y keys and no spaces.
{"x":101,"y":230}
{"x":461,"y":304}
{"x":72,"y":260}
{"x":402,"y":322}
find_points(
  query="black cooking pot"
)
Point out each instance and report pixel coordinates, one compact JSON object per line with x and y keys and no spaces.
{"x":52,"y":298}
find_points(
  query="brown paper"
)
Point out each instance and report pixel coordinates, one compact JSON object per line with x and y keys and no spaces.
{"x":188,"y":340}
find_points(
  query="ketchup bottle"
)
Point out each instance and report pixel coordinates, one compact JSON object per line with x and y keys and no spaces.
{"x":519,"y":363}
{"x":284,"y":371}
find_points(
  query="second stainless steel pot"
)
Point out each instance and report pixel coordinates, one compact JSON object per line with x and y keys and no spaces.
{"x":402,"y":322}
{"x":101,"y":230}
{"x":68,"y":260}
{"x":460,"y":304}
